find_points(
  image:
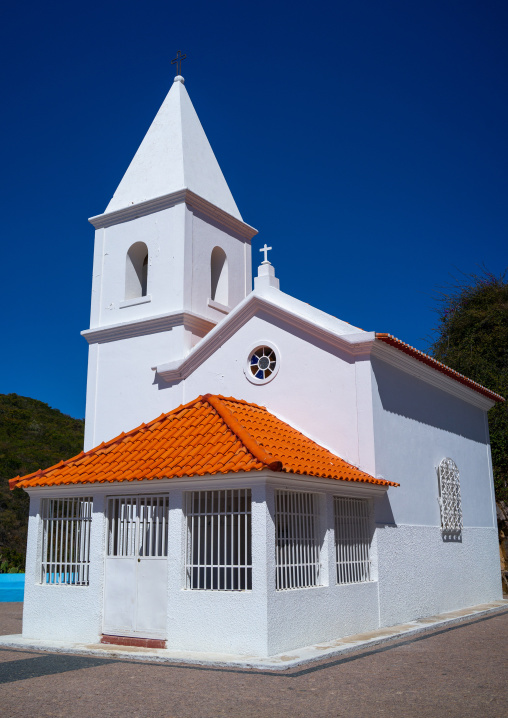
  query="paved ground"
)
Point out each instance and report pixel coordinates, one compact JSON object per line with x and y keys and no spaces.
{"x":461,"y":671}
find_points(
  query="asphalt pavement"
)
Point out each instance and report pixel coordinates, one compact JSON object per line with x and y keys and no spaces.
{"x":458,"y":671}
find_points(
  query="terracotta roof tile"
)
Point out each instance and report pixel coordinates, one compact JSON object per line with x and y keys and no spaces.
{"x":210,"y":435}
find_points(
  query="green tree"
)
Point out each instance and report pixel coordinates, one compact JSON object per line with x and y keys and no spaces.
{"x":472,"y":338}
{"x":32,"y":436}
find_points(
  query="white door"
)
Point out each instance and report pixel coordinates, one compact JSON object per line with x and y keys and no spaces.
{"x":135,"y":591}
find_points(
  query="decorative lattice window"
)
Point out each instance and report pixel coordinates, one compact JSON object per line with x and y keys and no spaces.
{"x":219,"y":553}
{"x":262,"y":362}
{"x":297,"y":542}
{"x":66,"y":541}
{"x":353,"y":536}
{"x":449,"y":497}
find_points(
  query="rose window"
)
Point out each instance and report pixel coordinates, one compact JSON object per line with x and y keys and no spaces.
{"x":263,"y":362}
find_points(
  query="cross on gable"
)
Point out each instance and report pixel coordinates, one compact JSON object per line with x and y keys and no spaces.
{"x":178,"y":62}
{"x":265,"y":249}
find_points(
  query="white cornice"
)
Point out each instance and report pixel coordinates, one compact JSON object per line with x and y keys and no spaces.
{"x":281,"y":480}
{"x":170,"y":200}
{"x":395,"y":357}
{"x":153,"y":325}
{"x":353,"y":344}
{"x":242,"y":479}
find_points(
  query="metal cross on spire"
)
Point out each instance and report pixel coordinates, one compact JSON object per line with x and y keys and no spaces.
{"x":265,"y":249}
{"x":178,"y":62}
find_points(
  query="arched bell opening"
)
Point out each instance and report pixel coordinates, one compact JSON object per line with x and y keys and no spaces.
{"x":136,"y":271}
{"x":219,"y":291}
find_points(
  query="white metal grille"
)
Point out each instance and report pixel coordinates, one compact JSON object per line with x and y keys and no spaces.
{"x":66,"y":541}
{"x":138,"y":526}
{"x":449,"y":497}
{"x":352,"y":540}
{"x":219,"y":555}
{"x":297,"y":545}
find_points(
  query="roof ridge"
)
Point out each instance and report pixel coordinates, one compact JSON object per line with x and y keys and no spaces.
{"x":241,"y":432}
{"x":237,"y":401}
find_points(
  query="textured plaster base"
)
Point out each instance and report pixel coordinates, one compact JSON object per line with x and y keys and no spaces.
{"x":279,"y":662}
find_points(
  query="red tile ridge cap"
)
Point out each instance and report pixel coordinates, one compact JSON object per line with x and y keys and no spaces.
{"x":236,"y":401}
{"x":435,"y":364}
{"x":247,"y":440}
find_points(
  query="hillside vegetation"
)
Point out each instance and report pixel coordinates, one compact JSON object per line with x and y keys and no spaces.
{"x":32,"y":436}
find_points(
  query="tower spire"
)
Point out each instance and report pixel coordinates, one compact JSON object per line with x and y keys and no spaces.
{"x":174,"y":155}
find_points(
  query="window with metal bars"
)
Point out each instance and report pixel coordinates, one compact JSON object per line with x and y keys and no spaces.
{"x":449,"y":499}
{"x":353,"y":536}
{"x":219,"y":551}
{"x":297,"y":542}
{"x":138,"y":526}
{"x":66,"y":541}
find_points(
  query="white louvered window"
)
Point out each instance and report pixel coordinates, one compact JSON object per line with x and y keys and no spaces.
{"x":353,"y":537}
{"x":449,"y":498}
{"x":66,"y":541}
{"x":219,"y":553}
{"x":297,"y":542}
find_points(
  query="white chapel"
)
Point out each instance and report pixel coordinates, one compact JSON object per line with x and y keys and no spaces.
{"x":257,"y":475}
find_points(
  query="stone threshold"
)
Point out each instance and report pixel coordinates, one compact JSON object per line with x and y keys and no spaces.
{"x":133,"y":641}
{"x":282,"y":661}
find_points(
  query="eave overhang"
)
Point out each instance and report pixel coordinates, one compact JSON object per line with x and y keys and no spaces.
{"x":152,"y":325}
{"x":158,"y":204}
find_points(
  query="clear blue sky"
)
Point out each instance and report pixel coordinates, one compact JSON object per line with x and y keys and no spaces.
{"x":366,"y":140}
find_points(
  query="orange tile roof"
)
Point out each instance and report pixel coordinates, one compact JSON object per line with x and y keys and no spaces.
{"x":210,"y":435}
{"x":435,"y":364}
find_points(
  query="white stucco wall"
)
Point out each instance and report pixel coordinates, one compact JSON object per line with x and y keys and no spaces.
{"x":217,"y":621}
{"x":121,"y":387}
{"x":414,"y":574}
{"x":422,"y":575}
{"x":302,"y":617}
{"x":180,"y":243}
{"x":121,"y":392}
{"x":164,"y":235}
{"x":258,"y":622}
{"x":63,"y":613}
{"x":205,"y":236}
{"x":314,"y":389}
{"x":416,"y":426}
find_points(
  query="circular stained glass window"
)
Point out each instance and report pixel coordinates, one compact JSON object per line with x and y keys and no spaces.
{"x":263,"y":362}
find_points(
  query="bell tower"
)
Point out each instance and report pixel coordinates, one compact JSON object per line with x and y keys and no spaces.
{"x":172,"y":257}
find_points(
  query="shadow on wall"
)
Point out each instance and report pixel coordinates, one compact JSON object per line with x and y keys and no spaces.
{"x":383,"y":513}
{"x":161,"y":383}
{"x":407,"y":396}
